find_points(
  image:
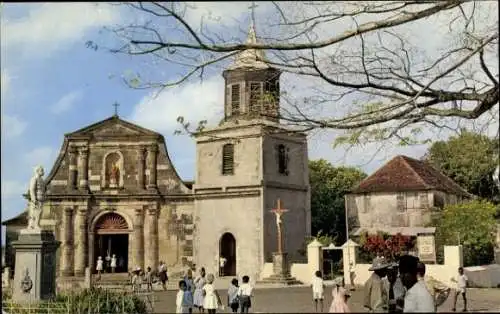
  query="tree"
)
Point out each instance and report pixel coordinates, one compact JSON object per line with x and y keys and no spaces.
{"x":328,"y":187}
{"x":363,"y":53}
{"x":470,"y":160}
{"x":471,"y":224}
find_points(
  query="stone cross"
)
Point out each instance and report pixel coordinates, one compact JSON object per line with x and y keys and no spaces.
{"x":279,"y":211}
{"x":116,"y":105}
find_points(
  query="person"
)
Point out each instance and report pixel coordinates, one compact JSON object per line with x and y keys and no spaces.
{"x":136,"y":280}
{"x":184,"y":300}
{"x":461,"y":281}
{"x":245,"y":294}
{"x":375,"y":296}
{"x":395,"y":289}
{"x":222,"y":264}
{"x":438,"y":291}
{"x":417,"y":298}
{"x":113,"y":263}
{"x":340,"y":297}
{"x":162,"y":270}
{"x":149,"y":279}
{"x":352,"y":276}
{"x":188,"y":278}
{"x":108,"y":262}
{"x":199,"y":282}
{"x":121,"y":263}
{"x":99,"y":267}
{"x":232,"y":295}
{"x":318,"y":288}
{"x":211,"y":298}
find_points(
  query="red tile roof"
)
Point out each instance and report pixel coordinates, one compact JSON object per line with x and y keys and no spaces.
{"x":403,"y":173}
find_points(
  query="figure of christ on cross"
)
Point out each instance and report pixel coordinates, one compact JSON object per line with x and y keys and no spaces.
{"x":279,"y":211}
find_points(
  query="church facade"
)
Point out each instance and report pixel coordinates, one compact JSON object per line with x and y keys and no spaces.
{"x":114,"y":190}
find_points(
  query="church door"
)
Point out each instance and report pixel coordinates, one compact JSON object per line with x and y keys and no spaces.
{"x":112,"y":239}
{"x":227,"y":255}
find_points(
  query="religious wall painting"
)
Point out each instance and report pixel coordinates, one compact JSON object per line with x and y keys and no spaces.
{"x":113,"y":170}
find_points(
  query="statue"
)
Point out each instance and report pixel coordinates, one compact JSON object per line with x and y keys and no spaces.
{"x":36,"y":198}
{"x":496,"y":177}
{"x":114,"y":175}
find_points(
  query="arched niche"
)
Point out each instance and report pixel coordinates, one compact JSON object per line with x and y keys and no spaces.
{"x":113,"y":170}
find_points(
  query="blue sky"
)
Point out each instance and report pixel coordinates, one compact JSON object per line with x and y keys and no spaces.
{"x":52,"y":84}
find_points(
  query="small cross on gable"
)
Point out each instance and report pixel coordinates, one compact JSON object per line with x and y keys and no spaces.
{"x":116,"y":105}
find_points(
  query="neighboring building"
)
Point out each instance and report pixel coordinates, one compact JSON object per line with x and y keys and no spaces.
{"x":401,"y":197}
{"x":114,"y":190}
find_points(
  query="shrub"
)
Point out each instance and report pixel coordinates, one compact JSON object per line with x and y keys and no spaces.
{"x":383,"y":244}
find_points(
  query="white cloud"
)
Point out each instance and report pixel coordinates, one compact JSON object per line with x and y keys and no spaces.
{"x":194,"y":101}
{"x":66,"y":102}
{"x":11,"y":188}
{"x":52,"y":26}
{"x":12,"y":126}
{"x":43,"y":156}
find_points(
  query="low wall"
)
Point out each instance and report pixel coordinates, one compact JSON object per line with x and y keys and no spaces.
{"x":300,"y":271}
{"x":483,"y":276}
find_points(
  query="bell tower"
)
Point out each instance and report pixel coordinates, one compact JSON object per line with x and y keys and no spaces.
{"x":252,"y":86}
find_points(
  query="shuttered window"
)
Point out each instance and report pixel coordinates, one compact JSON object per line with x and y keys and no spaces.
{"x":235,"y":99}
{"x":401,"y":202}
{"x":255,"y":98}
{"x":282,"y":160}
{"x":424,"y":200}
{"x":228,"y":159}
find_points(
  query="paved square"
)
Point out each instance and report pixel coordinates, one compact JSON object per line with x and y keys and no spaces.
{"x":298,"y":300}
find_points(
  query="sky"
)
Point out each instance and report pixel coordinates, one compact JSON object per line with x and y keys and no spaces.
{"x":52,"y":84}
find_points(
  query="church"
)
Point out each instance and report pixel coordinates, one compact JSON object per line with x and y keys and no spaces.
{"x":114,"y":190}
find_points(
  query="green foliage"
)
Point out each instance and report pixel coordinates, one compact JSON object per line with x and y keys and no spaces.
{"x":328,"y":186}
{"x":94,"y":300}
{"x":470,"y":160}
{"x":474,"y":225}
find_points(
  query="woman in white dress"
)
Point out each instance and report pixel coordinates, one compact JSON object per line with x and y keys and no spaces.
{"x":113,"y":263}
{"x":199,"y":282}
{"x":211,"y":299}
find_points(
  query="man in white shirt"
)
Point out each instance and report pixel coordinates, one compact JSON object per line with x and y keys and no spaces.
{"x":222,"y":264}
{"x":418,"y":298}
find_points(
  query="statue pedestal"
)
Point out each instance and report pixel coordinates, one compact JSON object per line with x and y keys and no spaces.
{"x":35,"y":268}
{"x":281,"y":271}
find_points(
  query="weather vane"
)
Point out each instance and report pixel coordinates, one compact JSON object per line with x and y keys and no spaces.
{"x":116,"y":105}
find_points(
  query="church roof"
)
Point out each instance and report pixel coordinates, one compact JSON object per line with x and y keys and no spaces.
{"x":403,"y":173}
{"x":113,"y":126}
{"x":250,"y":58}
{"x":21,"y":219}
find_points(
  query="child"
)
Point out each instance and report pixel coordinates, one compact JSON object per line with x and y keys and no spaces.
{"x":317,"y":289}
{"x":184,"y":301}
{"x":340,"y":297}
{"x":245,"y":294}
{"x":136,"y":280}
{"x":211,"y":299}
{"x":461,"y":281}
{"x":232,"y":295}
{"x":149,"y":279}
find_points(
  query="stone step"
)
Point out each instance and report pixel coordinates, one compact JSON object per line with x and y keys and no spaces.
{"x":280,"y":279}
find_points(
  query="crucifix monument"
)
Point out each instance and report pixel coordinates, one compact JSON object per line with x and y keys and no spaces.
{"x":281,"y":271}
{"x":35,"y":275}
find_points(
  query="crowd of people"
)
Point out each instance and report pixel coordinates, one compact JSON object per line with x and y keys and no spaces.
{"x":403,"y":287}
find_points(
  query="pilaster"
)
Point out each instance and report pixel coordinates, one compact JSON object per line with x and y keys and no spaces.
{"x":81,"y":241}
{"x":152,"y":236}
{"x":67,"y":243}
{"x":137,"y":241}
{"x":153,"y":155}
{"x":73,"y":168}
{"x":141,"y":167}
{"x":83,"y":169}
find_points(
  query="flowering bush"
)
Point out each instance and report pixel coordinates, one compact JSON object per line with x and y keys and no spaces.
{"x":390,"y":247}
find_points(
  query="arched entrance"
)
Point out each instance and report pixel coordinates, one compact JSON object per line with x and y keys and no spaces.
{"x":112,"y":232}
{"x":227,"y":252}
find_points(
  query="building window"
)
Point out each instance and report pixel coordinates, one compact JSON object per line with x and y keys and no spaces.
{"x":401,"y":202}
{"x":366,"y":203}
{"x":235,"y":99}
{"x":424,"y":200}
{"x":228,"y":159}
{"x":255,"y":98}
{"x":282,"y":159}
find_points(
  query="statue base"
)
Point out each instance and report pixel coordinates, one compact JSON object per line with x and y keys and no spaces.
{"x":35,"y":266}
{"x":497,"y":255}
{"x":281,"y":271}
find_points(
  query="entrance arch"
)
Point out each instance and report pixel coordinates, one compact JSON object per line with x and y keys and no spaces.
{"x":112,"y":237}
{"x":227,"y":250}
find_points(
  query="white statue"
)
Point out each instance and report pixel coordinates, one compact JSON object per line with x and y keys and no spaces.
{"x":36,"y":198}
{"x":278,"y":219}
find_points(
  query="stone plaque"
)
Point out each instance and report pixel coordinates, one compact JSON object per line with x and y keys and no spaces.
{"x":426,"y":247}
